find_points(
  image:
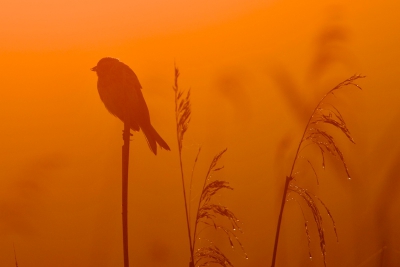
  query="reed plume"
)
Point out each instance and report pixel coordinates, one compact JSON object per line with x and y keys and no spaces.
{"x":314,"y":134}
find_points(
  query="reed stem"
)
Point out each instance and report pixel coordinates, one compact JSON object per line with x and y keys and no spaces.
{"x":278,"y":227}
{"x":125,"y":167}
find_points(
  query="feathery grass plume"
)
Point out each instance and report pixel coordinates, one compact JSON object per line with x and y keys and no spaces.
{"x":313,"y":134}
{"x":207,"y":215}
{"x":212,"y":254}
{"x":312,"y":205}
{"x":207,"y":212}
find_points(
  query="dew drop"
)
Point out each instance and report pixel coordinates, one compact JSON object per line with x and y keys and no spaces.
{"x":234,"y":229}
{"x":349,"y":178}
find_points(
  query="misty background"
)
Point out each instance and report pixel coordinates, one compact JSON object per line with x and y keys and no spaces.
{"x":256,"y":70}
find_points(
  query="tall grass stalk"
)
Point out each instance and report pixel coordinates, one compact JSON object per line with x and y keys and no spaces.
{"x":182,"y":118}
{"x":206,"y":212}
{"x":315,"y":135}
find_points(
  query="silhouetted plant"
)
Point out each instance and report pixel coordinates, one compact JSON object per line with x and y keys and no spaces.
{"x":207,"y":212}
{"x":314,"y":134}
{"x":15,"y":257}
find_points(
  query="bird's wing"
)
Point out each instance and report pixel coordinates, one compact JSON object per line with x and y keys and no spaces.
{"x":138,"y":111}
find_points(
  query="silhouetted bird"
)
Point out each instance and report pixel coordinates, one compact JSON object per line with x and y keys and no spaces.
{"x":121,"y":93}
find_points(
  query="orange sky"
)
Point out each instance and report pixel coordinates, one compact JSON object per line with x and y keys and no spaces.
{"x":256,"y":70}
{"x":48,"y":24}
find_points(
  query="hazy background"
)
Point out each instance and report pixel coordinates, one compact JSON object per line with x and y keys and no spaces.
{"x":256,"y":70}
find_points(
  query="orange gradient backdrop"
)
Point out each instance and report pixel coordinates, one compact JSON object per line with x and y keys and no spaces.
{"x":256,"y":70}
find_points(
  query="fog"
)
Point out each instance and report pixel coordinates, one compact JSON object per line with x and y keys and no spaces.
{"x":256,"y":71}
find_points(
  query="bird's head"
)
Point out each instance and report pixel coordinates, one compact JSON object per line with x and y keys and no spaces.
{"x":104,"y":65}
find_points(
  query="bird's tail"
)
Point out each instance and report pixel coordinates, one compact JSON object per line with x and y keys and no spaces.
{"x":153,"y":138}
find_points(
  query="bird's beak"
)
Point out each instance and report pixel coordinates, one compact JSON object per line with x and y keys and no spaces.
{"x":94,"y":69}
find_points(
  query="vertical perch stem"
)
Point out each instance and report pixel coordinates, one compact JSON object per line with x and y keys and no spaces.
{"x":125,"y":165}
{"x":278,"y":227}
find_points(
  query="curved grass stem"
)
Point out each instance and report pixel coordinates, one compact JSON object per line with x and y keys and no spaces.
{"x":313,"y":133}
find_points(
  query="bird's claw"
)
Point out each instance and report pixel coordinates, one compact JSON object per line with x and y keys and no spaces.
{"x":126,"y":135}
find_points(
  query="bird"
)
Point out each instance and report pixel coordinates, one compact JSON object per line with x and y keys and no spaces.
{"x":121,"y":93}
